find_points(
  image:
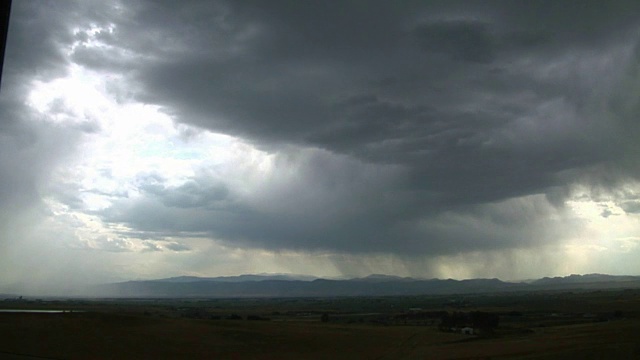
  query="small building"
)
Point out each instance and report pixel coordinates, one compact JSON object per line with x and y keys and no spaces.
{"x":466,"y":331}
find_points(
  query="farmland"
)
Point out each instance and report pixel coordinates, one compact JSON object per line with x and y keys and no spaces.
{"x":545,"y":325}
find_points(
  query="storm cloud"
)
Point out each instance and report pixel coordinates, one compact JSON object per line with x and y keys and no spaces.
{"x":410,"y":129}
{"x":469,"y":109}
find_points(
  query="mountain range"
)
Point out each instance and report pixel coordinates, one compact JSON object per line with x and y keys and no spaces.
{"x":286,"y":285}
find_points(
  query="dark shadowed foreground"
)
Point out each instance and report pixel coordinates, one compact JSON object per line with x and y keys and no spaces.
{"x":546,"y":325}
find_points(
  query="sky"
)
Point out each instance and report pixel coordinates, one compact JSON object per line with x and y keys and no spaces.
{"x":432,"y":139}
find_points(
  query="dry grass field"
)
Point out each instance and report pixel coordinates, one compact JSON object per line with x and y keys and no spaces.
{"x":116,"y":331}
{"x":106,"y":335}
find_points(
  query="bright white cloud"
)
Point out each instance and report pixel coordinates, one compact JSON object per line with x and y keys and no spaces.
{"x":125,"y":143}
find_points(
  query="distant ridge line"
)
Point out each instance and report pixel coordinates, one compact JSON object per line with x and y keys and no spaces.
{"x":287,"y":285}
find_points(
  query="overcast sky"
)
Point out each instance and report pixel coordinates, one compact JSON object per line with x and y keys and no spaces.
{"x":147,"y":139}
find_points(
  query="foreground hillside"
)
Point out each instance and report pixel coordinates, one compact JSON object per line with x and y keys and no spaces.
{"x":547,"y":325}
{"x":111,"y":336}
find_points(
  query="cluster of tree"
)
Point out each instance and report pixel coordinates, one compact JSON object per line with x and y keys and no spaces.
{"x":421,"y":315}
{"x":475,"y":319}
{"x":196,"y":313}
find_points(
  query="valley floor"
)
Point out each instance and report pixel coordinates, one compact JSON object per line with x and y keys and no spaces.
{"x":118,"y":330}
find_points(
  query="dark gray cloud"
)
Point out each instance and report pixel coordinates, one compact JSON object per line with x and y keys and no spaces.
{"x":151,"y":246}
{"x":461,"y":40}
{"x":631,"y":206}
{"x":174,"y":246}
{"x":471,"y":104}
{"x":401,"y":127}
{"x":330,"y":203}
{"x":374,"y":83}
